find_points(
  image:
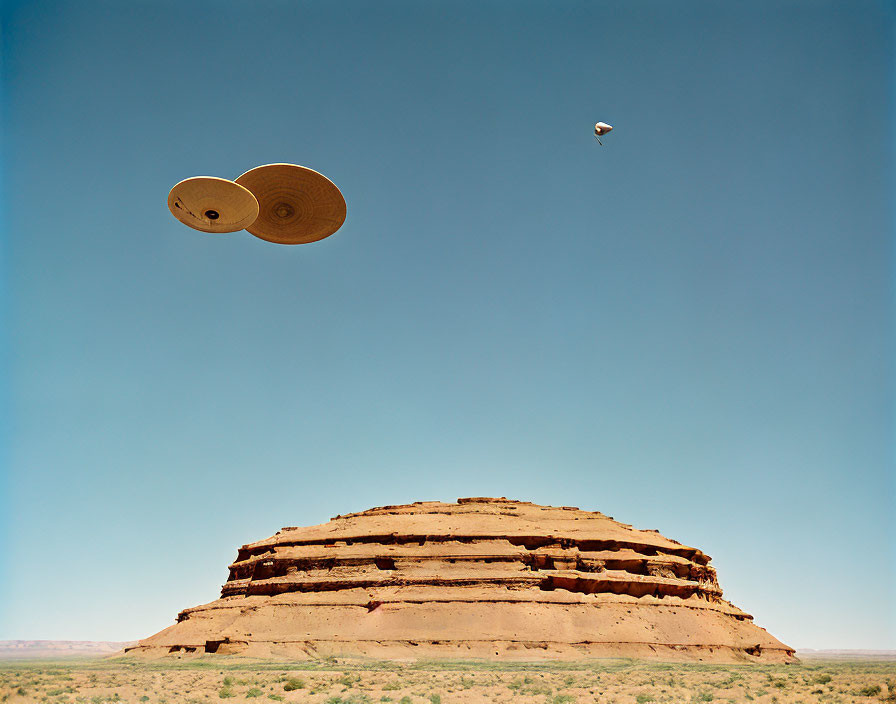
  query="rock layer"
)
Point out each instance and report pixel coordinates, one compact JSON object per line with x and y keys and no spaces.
{"x":482,"y":578}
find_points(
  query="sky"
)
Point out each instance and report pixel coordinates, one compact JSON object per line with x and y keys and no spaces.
{"x":690,"y":328}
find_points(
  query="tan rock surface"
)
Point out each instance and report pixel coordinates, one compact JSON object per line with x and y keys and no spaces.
{"x":482,"y":578}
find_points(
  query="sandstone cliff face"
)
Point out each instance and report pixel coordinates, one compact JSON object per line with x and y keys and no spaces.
{"x":484,"y":577}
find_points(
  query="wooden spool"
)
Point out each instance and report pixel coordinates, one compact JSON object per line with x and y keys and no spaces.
{"x":296,"y":205}
{"x":211,"y":204}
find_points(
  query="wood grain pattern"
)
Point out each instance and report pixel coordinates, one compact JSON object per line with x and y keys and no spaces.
{"x":211,"y":204}
{"x":297,"y":205}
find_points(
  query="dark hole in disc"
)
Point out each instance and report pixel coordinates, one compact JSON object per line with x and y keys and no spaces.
{"x":212,"y":214}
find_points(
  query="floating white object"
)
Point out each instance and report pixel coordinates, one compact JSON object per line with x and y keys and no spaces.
{"x":600,"y":129}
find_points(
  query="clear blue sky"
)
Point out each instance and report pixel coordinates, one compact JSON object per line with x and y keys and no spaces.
{"x":690,"y":329}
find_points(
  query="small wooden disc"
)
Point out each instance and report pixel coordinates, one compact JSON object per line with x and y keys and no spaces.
{"x":296,"y":205}
{"x":211,"y":204}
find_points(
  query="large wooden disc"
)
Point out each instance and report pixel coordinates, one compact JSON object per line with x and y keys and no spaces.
{"x":295,"y":205}
{"x":213,"y":204}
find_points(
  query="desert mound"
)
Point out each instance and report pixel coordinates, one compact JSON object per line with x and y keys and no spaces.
{"x":480,"y":578}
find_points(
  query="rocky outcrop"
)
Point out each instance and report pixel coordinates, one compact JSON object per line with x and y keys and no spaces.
{"x":483,"y":577}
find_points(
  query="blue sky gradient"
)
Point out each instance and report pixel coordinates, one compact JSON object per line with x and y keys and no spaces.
{"x":690,"y":329}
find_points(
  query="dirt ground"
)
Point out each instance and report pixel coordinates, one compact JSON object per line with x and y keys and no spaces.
{"x":212,"y":679}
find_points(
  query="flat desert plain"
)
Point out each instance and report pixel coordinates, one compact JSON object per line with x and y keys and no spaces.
{"x":216,"y":678}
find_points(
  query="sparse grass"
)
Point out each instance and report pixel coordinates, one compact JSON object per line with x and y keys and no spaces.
{"x":206,"y":679}
{"x":294,"y":683}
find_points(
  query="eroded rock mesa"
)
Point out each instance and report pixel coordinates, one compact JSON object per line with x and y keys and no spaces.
{"x":480,"y":578}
